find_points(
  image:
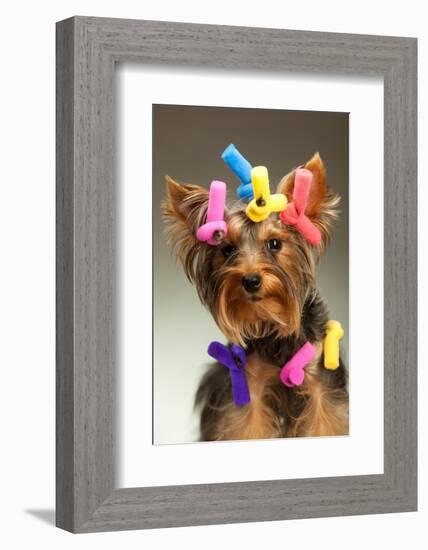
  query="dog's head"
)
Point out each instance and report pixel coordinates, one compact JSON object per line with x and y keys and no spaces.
{"x":256,"y":282}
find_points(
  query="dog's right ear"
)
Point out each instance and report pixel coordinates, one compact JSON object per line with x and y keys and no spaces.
{"x":186,"y":203}
{"x":184,"y":211}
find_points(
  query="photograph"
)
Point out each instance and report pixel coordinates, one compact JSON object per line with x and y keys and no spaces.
{"x":250,"y":273}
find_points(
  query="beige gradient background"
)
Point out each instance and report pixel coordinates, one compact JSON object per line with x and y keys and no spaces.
{"x":187,"y":145}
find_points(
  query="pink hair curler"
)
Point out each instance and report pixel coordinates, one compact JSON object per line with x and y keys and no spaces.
{"x":214,"y":229}
{"x":292,"y":373}
{"x":295,"y":213}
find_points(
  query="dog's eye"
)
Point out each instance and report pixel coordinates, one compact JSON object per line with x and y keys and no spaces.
{"x":274,"y":245}
{"x":228,"y":250}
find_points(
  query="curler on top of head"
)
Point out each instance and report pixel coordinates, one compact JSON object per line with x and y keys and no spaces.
{"x":214,"y":230}
{"x":295,"y":212}
{"x":263,"y":204}
{"x":241,"y":168}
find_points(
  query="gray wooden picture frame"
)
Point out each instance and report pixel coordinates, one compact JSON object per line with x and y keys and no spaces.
{"x":87,"y":51}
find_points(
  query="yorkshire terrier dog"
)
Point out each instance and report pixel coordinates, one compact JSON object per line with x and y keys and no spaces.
{"x":259,"y":285}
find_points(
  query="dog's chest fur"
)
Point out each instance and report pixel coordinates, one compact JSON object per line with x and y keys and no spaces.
{"x":318,"y":407}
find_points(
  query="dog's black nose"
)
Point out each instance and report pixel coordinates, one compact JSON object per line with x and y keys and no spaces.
{"x":252,"y":282}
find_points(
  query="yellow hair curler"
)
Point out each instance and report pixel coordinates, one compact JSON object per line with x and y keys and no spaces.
{"x":263,"y":204}
{"x":331,"y":344}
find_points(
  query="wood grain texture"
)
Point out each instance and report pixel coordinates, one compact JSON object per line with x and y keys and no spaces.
{"x":64,"y":277}
{"x":87,"y":50}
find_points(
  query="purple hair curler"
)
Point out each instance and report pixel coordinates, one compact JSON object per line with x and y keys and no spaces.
{"x":235,"y":360}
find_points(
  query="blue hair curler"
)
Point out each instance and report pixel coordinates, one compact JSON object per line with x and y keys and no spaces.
{"x":241,"y":168}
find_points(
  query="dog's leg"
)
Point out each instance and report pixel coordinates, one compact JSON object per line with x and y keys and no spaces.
{"x":325,"y":403}
{"x":254,"y":421}
{"x":221,"y":419}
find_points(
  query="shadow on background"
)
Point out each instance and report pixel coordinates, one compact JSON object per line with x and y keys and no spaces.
{"x":46,"y":515}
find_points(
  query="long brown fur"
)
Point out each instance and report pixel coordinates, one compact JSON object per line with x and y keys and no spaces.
{"x":271,"y":325}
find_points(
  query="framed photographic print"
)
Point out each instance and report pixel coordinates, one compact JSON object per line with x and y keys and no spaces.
{"x":236,"y":274}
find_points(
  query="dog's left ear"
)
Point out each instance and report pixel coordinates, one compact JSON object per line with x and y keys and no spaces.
{"x":322,"y":202}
